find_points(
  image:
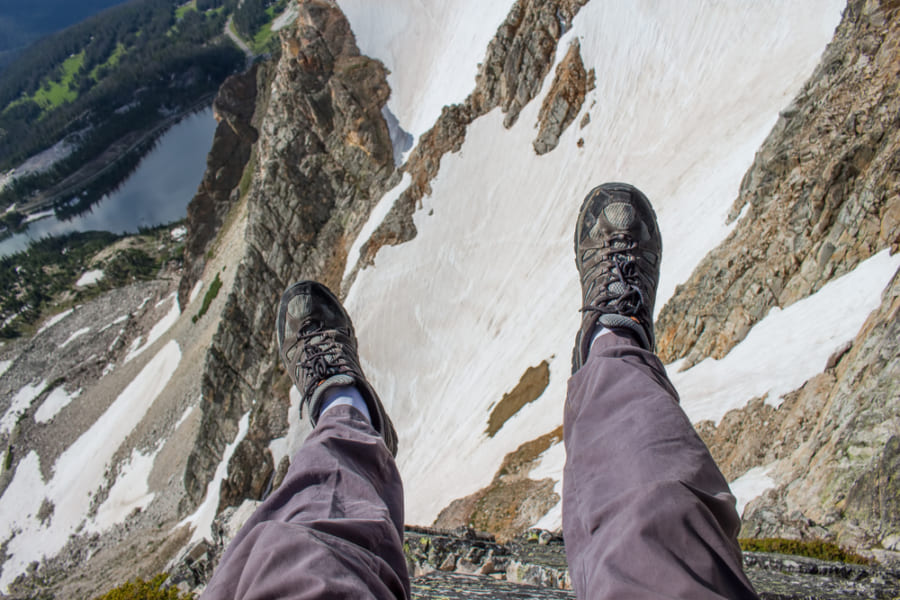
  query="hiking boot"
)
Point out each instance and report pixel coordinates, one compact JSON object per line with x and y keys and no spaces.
{"x":617,"y":251}
{"x":319,"y":349}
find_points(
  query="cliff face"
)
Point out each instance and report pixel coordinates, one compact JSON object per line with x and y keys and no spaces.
{"x":820,"y":197}
{"x":323,"y":156}
{"x":234,"y":109}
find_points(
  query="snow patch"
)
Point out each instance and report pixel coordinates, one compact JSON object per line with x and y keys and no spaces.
{"x":288,"y":445}
{"x":787,"y":347}
{"x":752,"y":484}
{"x":203,"y":517}
{"x":121,"y":319}
{"x":90,"y":278}
{"x":195,"y":291}
{"x":131,"y":491}
{"x":74,"y":336}
{"x":118,"y":337}
{"x":132,"y":349}
{"x":78,"y":473}
{"x":56,"y":400}
{"x":375,"y":219}
{"x":38,"y":216}
{"x":184,"y":416}
{"x":178,"y":233}
{"x":54,"y":320}
{"x":19,"y":404}
{"x":4,"y":366}
{"x":551,"y":465}
{"x":157,"y":330}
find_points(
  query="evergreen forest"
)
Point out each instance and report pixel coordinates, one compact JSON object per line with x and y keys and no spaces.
{"x":122,"y":72}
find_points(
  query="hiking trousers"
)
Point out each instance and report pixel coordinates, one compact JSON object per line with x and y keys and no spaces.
{"x":646,"y":512}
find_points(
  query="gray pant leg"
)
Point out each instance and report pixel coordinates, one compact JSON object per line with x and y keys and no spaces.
{"x":646,"y":511}
{"x":333,"y":529}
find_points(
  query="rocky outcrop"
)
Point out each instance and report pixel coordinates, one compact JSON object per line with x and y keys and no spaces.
{"x":564,"y":100}
{"x":512,"y":502}
{"x":234,"y":108}
{"x":820,"y":197}
{"x":323,"y":158}
{"x":511,"y":75}
{"x":462,"y":564}
{"x":836,"y":440}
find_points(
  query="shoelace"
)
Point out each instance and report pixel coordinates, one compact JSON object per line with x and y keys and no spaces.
{"x":625,"y":271}
{"x":317,"y":346}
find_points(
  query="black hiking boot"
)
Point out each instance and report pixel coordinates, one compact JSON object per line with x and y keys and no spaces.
{"x":318,"y":346}
{"x":617,"y":251}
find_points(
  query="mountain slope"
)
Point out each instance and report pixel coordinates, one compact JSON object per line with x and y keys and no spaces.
{"x":682,"y":101}
{"x":775,"y":184}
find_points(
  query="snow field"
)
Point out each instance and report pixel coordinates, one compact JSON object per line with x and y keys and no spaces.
{"x":432,"y":49}
{"x":297,"y":432}
{"x":77,"y":474}
{"x":375,"y":218}
{"x":685,"y":95}
{"x":551,"y":465}
{"x":130,"y":491}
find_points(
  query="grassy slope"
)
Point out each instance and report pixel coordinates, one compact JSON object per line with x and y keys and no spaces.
{"x":55,"y":92}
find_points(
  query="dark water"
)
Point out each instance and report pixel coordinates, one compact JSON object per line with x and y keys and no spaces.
{"x":157,"y":192}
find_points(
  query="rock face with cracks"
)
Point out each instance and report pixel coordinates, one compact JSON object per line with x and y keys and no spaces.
{"x":564,"y":100}
{"x":234,"y":108}
{"x":820,"y":197}
{"x":323,"y":156}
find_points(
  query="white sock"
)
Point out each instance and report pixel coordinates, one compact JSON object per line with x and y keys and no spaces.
{"x":344,"y":395}
{"x":601,"y":330}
